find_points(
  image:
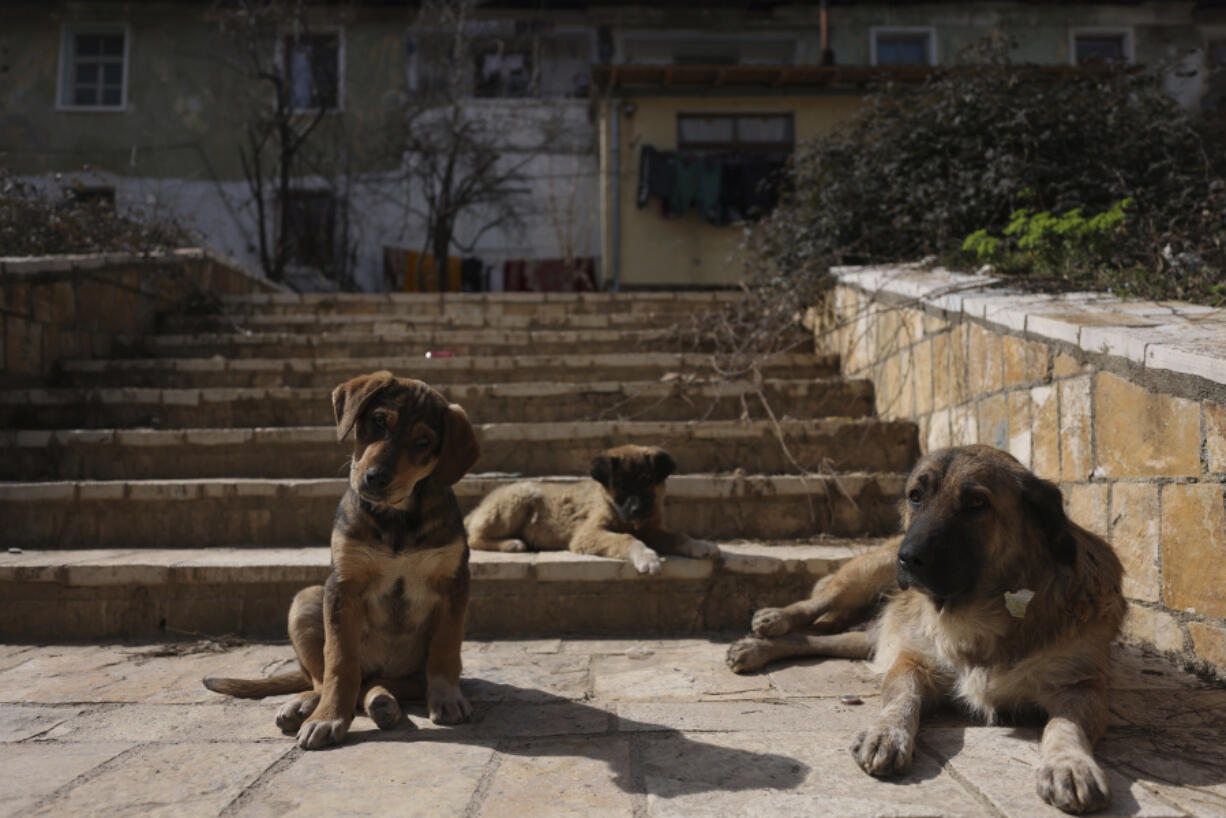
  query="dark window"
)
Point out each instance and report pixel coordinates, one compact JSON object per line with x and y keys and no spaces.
{"x":312,"y":228}
{"x":902,"y":47}
{"x":312,"y":65}
{"x":760,"y":132}
{"x":1100,"y":48}
{"x":94,"y":73}
{"x":503,"y":72}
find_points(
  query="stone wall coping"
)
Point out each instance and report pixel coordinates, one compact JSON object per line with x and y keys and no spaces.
{"x":75,"y":262}
{"x":1174,"y":336}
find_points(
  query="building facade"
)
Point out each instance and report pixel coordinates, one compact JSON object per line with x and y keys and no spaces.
{"x":575,"y":113}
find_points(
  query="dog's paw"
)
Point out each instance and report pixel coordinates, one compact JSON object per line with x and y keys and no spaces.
{"x":747,"y":654}
{"x":294,"y":712}
{"x":447,"y":704}
{"x":513,"y":546}
{"x":315,"y":734}
{"x":770,"y":622}
{"x":1073,"y":782}
{"x":644,"y":560}
{"x":384,"y":711}
{"x":883,"y":750}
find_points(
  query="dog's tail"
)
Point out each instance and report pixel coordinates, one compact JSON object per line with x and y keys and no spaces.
{"x":294,"y":682}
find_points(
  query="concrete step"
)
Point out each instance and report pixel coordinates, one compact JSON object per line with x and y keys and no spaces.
{"x":485,"y":402}
{"x":411,"y":321}
{"x":413,"y":344}
{"x":126,"y":593}
{"x":539,"y":305}
{"x":525,"y":448}
{"x":188,"y":373}
{"x":204,"y":512}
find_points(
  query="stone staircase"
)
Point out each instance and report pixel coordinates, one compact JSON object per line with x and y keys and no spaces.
{"x":188,"y":486}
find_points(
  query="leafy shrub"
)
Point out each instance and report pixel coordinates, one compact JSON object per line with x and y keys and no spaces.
{"x":1067,"y":246}
{"x":32,"y":224}
{"x":923,"y":166}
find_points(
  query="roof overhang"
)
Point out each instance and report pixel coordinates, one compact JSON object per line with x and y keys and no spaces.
{"x":656,"y":78}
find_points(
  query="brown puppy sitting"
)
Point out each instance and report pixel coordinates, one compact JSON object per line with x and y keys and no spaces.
{"x":993,"y":597}
{"x":388,"y":623}
{"x":616,"y":514}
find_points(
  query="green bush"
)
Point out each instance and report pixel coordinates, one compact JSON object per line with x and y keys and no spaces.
{"x":921,"y":167}
{"x":1068,"y":246}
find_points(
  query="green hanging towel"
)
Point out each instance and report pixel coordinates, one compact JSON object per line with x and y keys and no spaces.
{"x":710,"y":189}
{"x":686,"y":172}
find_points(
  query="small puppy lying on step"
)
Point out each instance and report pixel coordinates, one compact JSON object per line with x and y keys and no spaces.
{"x":615,"y":514}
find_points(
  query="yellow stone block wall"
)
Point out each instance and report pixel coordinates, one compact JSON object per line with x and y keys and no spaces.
{"x":1141,"y":466}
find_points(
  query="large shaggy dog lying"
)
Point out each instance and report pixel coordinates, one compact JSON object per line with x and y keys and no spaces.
{"x":992,"y":597}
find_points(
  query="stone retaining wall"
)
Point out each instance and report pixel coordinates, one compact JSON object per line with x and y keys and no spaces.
{"x":1123,"y":403}
{"x":75,"y":306}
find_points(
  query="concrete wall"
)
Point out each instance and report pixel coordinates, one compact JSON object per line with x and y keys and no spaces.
{"x":76,"y":306}
{"x":1121,"y":403}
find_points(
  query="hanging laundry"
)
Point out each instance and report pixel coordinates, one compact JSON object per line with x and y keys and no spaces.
{"x":551,"y":275}
{"x":724,"y":187}
{"x":656,"y":176}
{"x":750,"y":187}
{"x":686,"y":172}
{"x":707,"y":198}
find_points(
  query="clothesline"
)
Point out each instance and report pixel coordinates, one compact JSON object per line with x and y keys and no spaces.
{"x":724,"y":187}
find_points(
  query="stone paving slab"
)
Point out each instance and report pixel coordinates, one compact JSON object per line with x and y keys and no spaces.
{"x":610,"y":726}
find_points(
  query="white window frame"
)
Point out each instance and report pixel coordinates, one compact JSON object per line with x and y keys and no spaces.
{"x":67,"y":63}
{"x":339,"y":31}
{"x":876,"y":31}
{"x":1102,"y":31}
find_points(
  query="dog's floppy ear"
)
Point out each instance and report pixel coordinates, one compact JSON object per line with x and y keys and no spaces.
{"x":1046,"y":504}
{"x":351,"y":397}
{"x":662,"y":465}
{"x":460,"y":451}
{"x":602,"y":469}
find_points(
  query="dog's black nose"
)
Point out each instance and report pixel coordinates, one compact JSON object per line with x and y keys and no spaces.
{"x":377,"y":478}
{"x":910,"y":565}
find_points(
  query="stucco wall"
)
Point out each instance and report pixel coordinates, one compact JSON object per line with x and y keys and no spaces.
{"x":1123,"y":403}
